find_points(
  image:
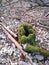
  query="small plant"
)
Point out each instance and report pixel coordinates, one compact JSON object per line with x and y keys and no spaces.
{"x":26,"y":34}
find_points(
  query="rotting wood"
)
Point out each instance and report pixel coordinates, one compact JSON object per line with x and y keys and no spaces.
{"x":17,"y":45}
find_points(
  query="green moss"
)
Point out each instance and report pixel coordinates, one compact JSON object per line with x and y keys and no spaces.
{"x":26,"y":34}
{"x":21,"y":32}
{"x":44,"y":52}
{"x":31,"y":39}
{"x":23,"y":39}
{"x":31,"y":49}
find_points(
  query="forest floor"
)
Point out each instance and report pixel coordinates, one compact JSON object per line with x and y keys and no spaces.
{"x":15,"y":13}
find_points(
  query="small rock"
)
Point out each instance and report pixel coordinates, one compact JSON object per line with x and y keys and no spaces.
{"x":24,"y":63}
{"x":39,"y":57}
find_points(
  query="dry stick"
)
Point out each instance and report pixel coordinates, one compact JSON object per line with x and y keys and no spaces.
{"x":43,"y":26}
{"x":40,"y":25}
{"x":18,"y":46}
{"x":12,"y":33}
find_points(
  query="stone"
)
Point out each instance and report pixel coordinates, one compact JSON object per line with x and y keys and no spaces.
{"x":39,"y":57}
{"x":24,"y":63}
